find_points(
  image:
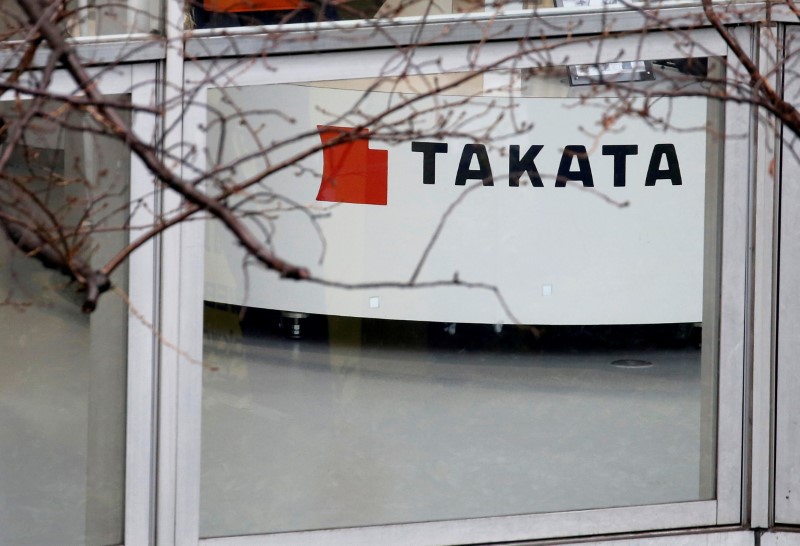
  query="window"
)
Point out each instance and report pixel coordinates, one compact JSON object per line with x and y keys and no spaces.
{"x":415,"y":407}
{"x":64,"y":374}
{"x":79,"y":395}
{"x":90,"y":18}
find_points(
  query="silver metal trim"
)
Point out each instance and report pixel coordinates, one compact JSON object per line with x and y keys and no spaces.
{"x":735,"y":300}
{"x":781,"y":13}
{"x":766,"y":179}
{"x":500,"y":529}
{"x":140,"y":467}
{"x":447,"y":58}
{"x":180,"y":377}
{"x":787,"y":425}
{"x":130,"y":49}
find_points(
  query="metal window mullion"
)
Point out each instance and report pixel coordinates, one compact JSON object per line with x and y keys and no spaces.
{"x":787,"y":380}
{"x":178,"y":459}
{"x":768,"y":151}
{"x":735,"y":299}
{"x":142,"y":330}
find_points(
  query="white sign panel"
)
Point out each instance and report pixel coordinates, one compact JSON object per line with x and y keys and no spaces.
{"x":549,"y":235}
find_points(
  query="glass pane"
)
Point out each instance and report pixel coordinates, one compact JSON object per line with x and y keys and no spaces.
{"x":63,"y":372}
{"x":587,"y":381}
{"x":203,"y":14}
{"x":233,"y":13}
{"x":90,"y":18}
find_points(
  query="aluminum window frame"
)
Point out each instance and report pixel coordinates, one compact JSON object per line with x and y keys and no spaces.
{"x":182,"y":315}
{"x":787,"y":346}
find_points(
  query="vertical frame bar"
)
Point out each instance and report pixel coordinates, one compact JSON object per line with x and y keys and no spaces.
{"x":768,"y":155}
{"x":181,"y":370}
{"x":142,"y":329}
{"x":787,"y":420}
{"x":734,"y":338}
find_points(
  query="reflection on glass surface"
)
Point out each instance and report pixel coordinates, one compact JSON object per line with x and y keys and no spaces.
{"x":233,"y":13}
{"x":62,"y":374}
{"x":364,"y":422}
{"x":595,"y":387}
{"x":90,"y":18}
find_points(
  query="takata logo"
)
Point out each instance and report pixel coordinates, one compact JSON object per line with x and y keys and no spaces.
{"x":351,"y":171}
{"x":355,"y":173}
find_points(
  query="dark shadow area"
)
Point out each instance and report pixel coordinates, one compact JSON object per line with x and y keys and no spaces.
{"x":253,"y":323}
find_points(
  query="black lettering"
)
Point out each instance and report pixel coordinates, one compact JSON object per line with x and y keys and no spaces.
{"x":429,"y":151}
{"x":584,"y":172}
{"x":620,"y":152}
{"x":673,"y":170}
{"x":517,"y":167}
{"x":484,"y":170}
